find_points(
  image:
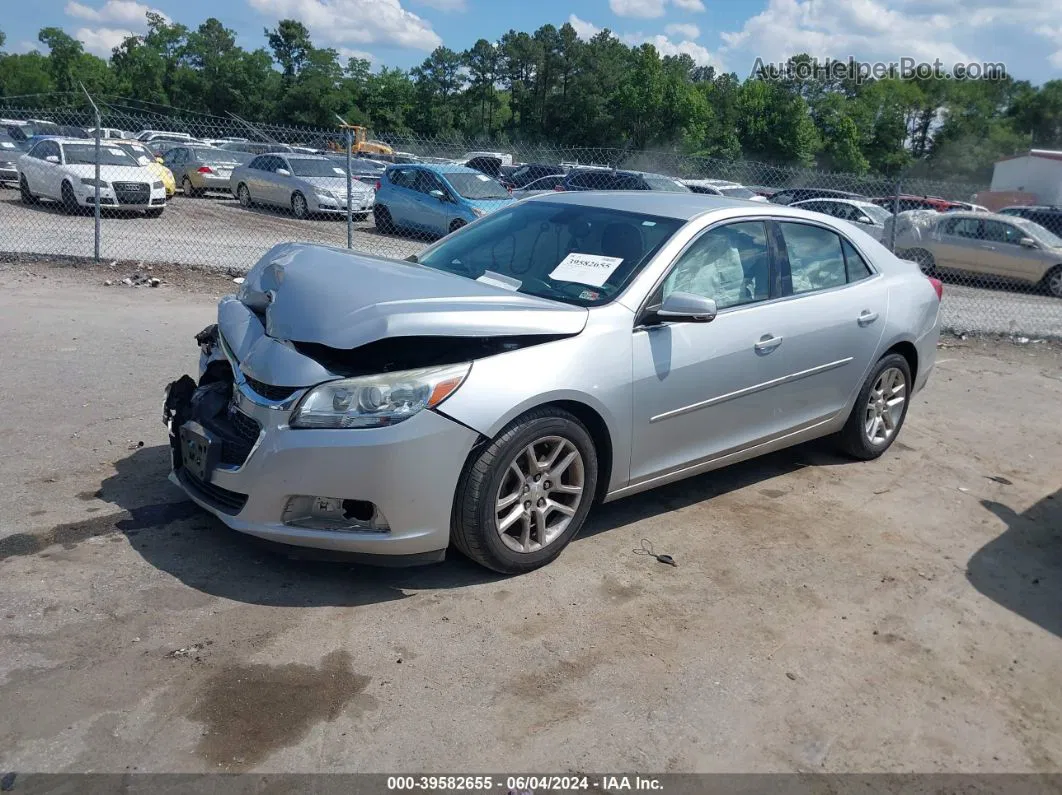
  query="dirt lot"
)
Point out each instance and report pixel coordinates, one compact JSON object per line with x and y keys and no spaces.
{"x":901,"y":615}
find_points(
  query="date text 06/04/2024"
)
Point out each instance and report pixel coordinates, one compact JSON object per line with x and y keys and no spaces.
{"x":522,"y":785}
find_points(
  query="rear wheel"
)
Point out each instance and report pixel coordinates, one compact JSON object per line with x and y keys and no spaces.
{"x":1053,"y":281}
{"x":24,"y":191}
{"x":244,"y":195}
{"x":299,"y":207}
{"x":924,"y":259}
{"x":382,"y":217}
{"x":69,"y":199}
{"x":189,"y":190}
{"x":523,"y":497}
{"x":879,"y":410}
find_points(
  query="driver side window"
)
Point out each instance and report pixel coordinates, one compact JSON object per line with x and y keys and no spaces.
{"x":729,"y":264}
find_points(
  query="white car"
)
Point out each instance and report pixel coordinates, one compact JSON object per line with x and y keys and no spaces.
{"x":722,"y":187}
{"x":64,"y":170}
{"x":865,"y":215}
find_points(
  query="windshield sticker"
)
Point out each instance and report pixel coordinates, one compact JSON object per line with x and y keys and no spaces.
{"x":648,"y":223}
{"x":117,"y":152}
{"x":482,"y":177}
{"x":499,"y":280}
{"x":589,"y":269}
{"x":339,"y":171}
{"x":589,"y":295}
{"x":7,"y":145}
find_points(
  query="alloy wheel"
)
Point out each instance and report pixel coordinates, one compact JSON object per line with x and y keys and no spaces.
{"x":539,"y":494}
{"x":1054,"y":282}
{"x":885,"y":406}
{"x":299,"y":206}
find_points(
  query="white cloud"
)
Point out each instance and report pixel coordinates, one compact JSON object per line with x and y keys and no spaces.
{"x":345,"y":53}
{"x":683,"y":31}
{"x":125,"y":12}
{"x":101,"y":41}
{"x":25,"y":46}
{"x":689,"y":5}
{"x":644,"y":9}
{"x":701,"y":56}
{"x":355,"y":21}
{"x":444,"y":5}
{"x":583,"y":29}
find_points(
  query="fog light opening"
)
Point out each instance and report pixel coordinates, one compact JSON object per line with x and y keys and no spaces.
{"x":334,"y":513}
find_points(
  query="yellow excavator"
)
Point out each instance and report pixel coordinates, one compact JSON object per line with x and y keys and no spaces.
{"x":361,"y":144}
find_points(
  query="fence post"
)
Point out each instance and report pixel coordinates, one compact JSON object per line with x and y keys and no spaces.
{"x":350,"y":211}
{"x":96,"y":207}
{"x":895,"y":212}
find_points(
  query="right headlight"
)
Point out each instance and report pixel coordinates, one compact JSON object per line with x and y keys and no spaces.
{"x":378,"y":400}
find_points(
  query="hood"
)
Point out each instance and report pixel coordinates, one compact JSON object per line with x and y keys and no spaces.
{"x":343,"y":300}
{"x":338,"y":185}
{"x":111,"y":173}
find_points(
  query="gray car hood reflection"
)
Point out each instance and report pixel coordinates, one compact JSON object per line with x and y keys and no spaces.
{"x":344,"y":300}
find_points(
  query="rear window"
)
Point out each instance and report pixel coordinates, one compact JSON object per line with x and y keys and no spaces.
{"x":664,"y":184}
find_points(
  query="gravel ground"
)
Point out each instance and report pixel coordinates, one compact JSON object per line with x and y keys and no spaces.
{"x":215,"y":232}
{"x":901,"y":615}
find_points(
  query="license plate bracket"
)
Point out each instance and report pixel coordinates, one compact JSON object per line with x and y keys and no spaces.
{"x":199,"y":450}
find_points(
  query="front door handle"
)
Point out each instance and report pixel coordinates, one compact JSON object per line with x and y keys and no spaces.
{"x":767,"y":343}
{"x":866,"y":317}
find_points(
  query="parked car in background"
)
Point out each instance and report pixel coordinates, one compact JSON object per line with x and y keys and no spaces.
{"x":366,"y":171}
{"x":146,"y":157}
{"x":491,"y":166}
{"x":608,"y":179}
{"x":791,"y":195}
{"x":545,"y":184}
{"x":722,"y":187}
{"x":10,"y":151}
{"x":870,"y":217}
{"x":986,"y":244}
{"x":566,"y":350}
{"x":435,"y":198}
{"x":198,"y":169}
{"x":162,"y":145}
{"x":505,"y":158}
{"x":763,"y":190}
{"x":147,"y":136}
{"x":110,"y":133}
{"x":977,"y":208}
{"x":523,"y":175}
{"x":306,"y":184}
{"x":26,"y":130}
{"x":1050,"y":218}
{"x":911,"y":202}
{"x":254,"y":147}
{"x":64,"y":170}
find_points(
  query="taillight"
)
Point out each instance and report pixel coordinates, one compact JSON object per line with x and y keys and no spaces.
{"x":377,"y":184}
{"x":938,"y":285}
{"x":205,"y":170}
{"x":559,"y":188}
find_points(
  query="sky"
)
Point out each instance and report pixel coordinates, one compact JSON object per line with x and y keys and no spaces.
{"x":1025,"y":35}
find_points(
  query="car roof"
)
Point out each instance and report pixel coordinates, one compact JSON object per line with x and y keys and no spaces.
{"x":715,"y":183}
{"x":680,"y":206}
{"x":439,"y":168}
{"x":842,"y":200}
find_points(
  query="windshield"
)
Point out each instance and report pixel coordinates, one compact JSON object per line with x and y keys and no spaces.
{"x":737,"y":192}
{"x":7,"y":142}
{"x":85,"y":155}
{"x":876,"y":213}
{"x":1040,"y":233}
{"x":476,"y":186}
{"x":306,"y":167}
{"x":569,"y":253}
{"x":140,"y":153}
{"x":664,"y":183}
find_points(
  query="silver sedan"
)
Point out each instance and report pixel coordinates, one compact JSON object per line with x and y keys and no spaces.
{"x":305,"y":184}
{"x":566,"y":350}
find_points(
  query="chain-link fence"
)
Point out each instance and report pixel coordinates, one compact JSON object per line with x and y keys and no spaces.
{"x":164,"y":185}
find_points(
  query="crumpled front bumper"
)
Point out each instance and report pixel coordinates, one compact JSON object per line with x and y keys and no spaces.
{"x":409,"y":471}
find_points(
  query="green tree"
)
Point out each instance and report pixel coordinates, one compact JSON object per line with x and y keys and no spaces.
{"x":291,"y":45}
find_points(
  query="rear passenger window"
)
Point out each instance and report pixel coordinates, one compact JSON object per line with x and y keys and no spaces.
{"x":816,"y":260}
{"x":856,"y":265}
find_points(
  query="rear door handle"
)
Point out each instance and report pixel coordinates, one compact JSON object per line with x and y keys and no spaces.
{"x":866,"y":317}
{"x":767,"y":343}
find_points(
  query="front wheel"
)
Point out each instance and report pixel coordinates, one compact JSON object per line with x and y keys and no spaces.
{"x":1053,"y":281}
{"x":24,"y":191}
{"x":524,"y":496}
{"x":69,"y":199}
{"x":879,"y":410}
{"x":299,"y":207}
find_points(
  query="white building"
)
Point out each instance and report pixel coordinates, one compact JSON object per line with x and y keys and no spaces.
{"x":1038,"y":171}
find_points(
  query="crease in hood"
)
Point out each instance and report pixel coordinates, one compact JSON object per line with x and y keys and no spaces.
{"x":341,"y":299}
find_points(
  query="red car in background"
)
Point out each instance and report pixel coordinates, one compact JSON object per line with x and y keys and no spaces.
{"x":911,"y":202}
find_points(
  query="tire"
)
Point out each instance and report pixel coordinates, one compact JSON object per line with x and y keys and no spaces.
{"x":69,"y":200}
{"x":1052,"y":281}
{"x":457,"y":224}
{"x":24,"y":191}
{"x":300,"y":208}
{"x":186,"y":187}
{"x":244,"y":195}
{"x":489,"y":476}
{"x":925,"y":260}
{"x":381,"y":216}
{"x":855,"y":438}
{"x":154,"y":213}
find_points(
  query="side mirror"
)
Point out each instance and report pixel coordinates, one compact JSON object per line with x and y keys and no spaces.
{"x":160,"y":161}
{"x":864,"y":219}
{"x":1028,"y":242}
{"x":283,"y":172}
{"x":438,"y":194}
{"x":686,"y":308}
{"x":52,"y":158}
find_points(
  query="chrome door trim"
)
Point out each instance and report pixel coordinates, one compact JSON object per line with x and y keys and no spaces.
{"x":785,"y":379}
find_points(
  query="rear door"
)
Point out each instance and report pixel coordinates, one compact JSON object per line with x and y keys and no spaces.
{"x":960,"y":245}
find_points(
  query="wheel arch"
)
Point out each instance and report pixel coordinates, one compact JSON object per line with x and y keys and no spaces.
{"x":908,"y":351}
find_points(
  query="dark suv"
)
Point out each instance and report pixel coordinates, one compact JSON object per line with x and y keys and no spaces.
{"x":790,"y":195}
{"x":604,"y":179}
{"x":1050,"y":218}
